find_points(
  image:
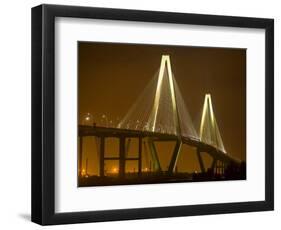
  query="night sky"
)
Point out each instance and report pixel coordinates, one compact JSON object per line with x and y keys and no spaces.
{"x":111,"y":76}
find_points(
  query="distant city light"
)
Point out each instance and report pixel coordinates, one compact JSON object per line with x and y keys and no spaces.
{"x":114,"y":170}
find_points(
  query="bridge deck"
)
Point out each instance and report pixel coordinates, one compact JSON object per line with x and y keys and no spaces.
{"x":115,"y":132}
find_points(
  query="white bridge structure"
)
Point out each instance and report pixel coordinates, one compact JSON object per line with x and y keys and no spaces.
{"x":160,"y":114}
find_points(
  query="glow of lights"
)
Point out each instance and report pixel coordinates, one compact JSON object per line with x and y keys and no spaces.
{"x":114,"y":170}
{"x":160,"y":107}
{"x":204,"y":115}
{"x":158,"y":90}
{"x":165,"y":61}
{"x":215,"y":138}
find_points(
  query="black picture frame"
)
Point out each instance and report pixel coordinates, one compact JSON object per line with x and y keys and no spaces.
{"x":43,"y":110}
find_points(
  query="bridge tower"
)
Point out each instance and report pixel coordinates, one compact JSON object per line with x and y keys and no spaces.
{"x":209,"y":131}
{"x":166,"y":89}
{"x":162,"y":89}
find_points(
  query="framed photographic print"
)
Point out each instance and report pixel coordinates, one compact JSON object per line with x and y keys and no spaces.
{"x":141,"y":114}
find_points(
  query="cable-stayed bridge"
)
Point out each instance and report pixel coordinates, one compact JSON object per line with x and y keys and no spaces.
{"x":160,"y":115}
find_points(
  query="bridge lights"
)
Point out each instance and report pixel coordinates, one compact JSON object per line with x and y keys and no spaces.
{"x":87,"y":119}
{"x":104,"y":120}
{"x":165,"y":67}
{"x":83,"y":172}
{"x":117,"y":121}
{"x":137,"y":125}
{"x":209,"y":131}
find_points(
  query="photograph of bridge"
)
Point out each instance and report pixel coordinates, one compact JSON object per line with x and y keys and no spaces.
{"x":160,"y":114}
